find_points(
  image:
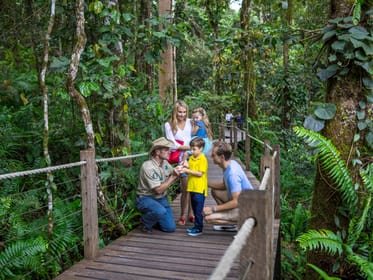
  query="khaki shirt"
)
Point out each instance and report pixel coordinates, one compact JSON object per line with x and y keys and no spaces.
{"x":152,"y":175}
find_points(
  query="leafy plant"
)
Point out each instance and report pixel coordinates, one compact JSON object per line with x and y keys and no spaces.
{"x":21,"y":256}
{"x":352,"y":246}
{"x":350,"y":49}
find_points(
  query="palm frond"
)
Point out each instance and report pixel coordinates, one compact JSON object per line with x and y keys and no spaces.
{"x":323,"y":240}
{"x":330,"y":159}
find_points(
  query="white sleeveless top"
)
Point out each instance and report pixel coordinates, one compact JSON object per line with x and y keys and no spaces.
{"x":183,"y":135}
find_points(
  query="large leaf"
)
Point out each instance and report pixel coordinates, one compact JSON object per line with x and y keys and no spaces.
{"x":327,"y":73}
{"x":314,"y":124}
{"x":338,"y":45}
{"x":359,"y":32}
{"x":369,"y":139}
{"x":326,"y":111}
{"x":368,"y":82}
{"x":328,"y":35}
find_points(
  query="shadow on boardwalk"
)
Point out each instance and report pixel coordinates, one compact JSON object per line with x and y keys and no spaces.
{"x":161,"y":255}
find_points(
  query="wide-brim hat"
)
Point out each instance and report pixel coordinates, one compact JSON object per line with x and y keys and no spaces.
{"x":161,"y":143}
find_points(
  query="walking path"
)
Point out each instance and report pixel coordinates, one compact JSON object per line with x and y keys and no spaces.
{"x":161,"y":255}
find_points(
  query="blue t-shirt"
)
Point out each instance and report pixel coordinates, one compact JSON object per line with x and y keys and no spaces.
{"x":201,"y":132}
{"x":235,"y":179}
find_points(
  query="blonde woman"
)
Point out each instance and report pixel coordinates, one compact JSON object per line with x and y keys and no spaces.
{"x":179,"y":128}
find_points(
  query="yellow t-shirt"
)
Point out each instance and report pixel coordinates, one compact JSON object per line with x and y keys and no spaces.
{"x":198,"y":184}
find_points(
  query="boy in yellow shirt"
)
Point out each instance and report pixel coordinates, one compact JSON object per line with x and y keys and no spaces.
{"x":197,"y":183}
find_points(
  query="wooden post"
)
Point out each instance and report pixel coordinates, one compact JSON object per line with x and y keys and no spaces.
{"x":89,"y":204}
{"x":256,"y":257}
{"x":230,"y":134}
{"x":265,"y":160}
{"x":235,"y":140}
{"x":247,"y":150}
{"x":221,"y":132}
{"x":276,"y":180}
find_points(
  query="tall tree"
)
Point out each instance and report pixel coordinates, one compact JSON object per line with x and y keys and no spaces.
{"x":248,"y":72}
{"x":286,"y":115}
{"x":347,"y":92}
{"x":44,"y":88}
{"x":167,"y":68}
{"x":214,"y":10}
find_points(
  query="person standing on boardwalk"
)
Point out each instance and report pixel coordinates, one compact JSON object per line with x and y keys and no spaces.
{"x":197,"y":183}
{"x":202,"y":127}
{"x":179,"y":129}
{"x":228,"y":118}
{"x":156,"y":176}
{"x":226,"y":192}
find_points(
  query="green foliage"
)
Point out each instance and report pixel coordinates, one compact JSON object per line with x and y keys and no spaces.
{"x":322,"y":273}
{"x":352,"y":249}
{"x":330,"y":159}
{"x":21,"y":256}
{"x":350,"y":49}
{"x":293,"y":221}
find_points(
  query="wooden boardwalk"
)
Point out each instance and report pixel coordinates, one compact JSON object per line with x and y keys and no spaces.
{"x":161,"y":255}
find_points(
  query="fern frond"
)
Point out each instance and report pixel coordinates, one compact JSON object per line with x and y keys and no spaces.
{"x":330,"y":159}
{"x":367,"y":176}
{"x":357,"y":223}
{"x":365,"y":266}
{"x":323,"y":240}
{"x":19,"y":255}
{"x":322,"y":273}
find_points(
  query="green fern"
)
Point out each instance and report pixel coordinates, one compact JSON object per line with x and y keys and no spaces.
{"x":360,"y":211}
{"x":22,"y":255}
{"x":330,"y":159}
{"x":322,"y":273}
{"x":324,"y":240}
{"x":365,"y":266}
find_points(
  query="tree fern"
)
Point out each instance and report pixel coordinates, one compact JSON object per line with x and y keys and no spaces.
{"x":330,"y":159}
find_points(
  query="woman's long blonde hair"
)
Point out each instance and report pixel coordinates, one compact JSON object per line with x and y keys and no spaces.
{"x":205,"y":120}
{"x":173,"y":119}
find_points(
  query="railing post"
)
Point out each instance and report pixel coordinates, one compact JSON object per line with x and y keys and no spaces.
{"x":221,"y":132}
{"x":247,"y":150}
{"x":89,"y":203}
{"x":265,"y":160}
{"x":235,"y":140}
{"x":258,"y":253}
{"x":276,"y":180}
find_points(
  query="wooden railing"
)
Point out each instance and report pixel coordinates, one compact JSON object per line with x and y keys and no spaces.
{"x":257,"y":242}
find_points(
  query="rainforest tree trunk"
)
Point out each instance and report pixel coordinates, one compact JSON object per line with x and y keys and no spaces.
{"x":346,"y":93}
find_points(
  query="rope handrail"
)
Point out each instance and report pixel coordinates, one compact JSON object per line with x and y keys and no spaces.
{"x":119,"y":158}
{"x":265,"y":179}
{"x":250,"y":136}
{"x":62,"y":166}
{"x":40,"y":170}
{"x":233,"y":251}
